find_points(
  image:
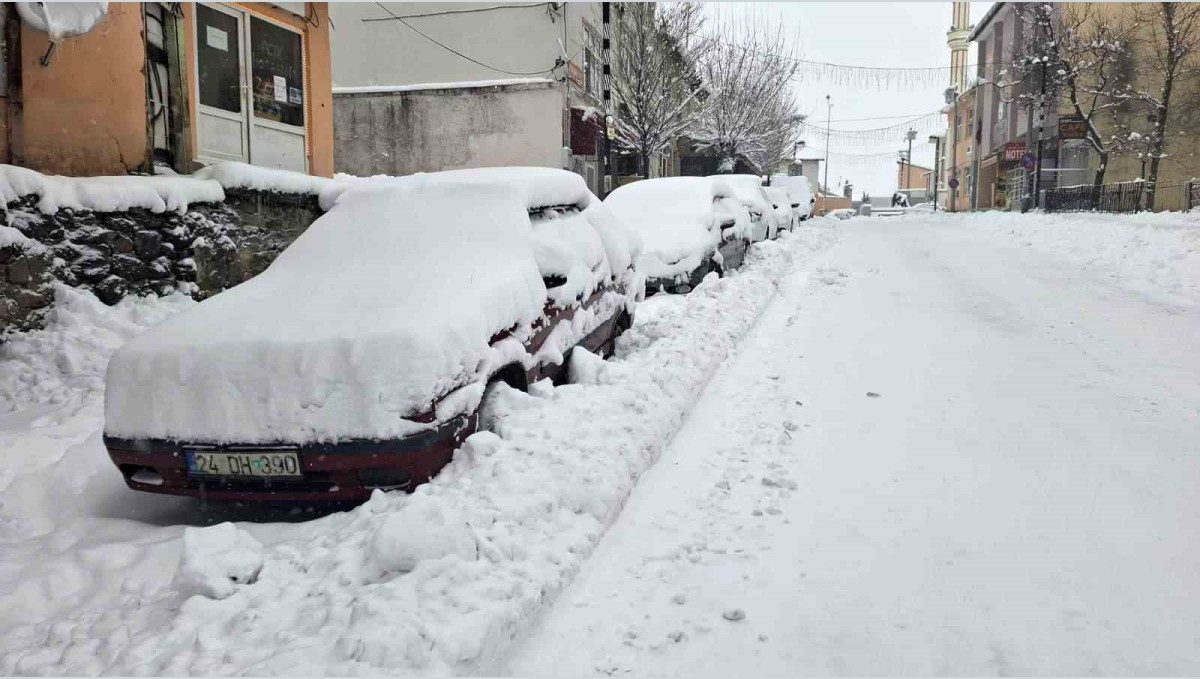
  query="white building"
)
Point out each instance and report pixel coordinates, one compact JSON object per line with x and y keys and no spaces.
{"x":437,"y":86}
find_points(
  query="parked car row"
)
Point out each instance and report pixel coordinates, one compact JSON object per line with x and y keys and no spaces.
{"x":359,"y":359}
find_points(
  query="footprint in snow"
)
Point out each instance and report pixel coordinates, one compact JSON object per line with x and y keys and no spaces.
{"x":734,"y":615}
{"x":871,"y":394}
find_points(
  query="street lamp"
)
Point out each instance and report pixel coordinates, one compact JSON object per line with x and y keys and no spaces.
{"x":937,"y":159}
{"x":910,"y":136}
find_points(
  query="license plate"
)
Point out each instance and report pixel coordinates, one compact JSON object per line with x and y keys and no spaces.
{"x":257,"y":464}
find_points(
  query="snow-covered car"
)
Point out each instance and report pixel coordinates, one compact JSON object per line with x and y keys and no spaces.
{"x":688,"y":226}
{"x":842,"y":213}
{"x":785,"y":210}
{"x":800,"y":191}
{"x":748,"y":188}
{"x":358,"y":360}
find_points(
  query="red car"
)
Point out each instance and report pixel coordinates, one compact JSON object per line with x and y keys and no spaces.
{"x":359,"y":358}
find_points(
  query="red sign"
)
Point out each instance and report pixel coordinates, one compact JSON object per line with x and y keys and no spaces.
{"x":1014,"y":150}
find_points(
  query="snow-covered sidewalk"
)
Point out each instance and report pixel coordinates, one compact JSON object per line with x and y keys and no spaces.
{"x":956,"y":446}
{"x":432,"y":583}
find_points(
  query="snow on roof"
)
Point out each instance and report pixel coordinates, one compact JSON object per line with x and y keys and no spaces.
{"x":536,"y":186}
{"x":107,"y":194}
{"x":385,"y":89}
{"x":386,"y":302}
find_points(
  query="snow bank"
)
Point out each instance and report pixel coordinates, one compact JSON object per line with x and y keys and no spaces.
{"x":1157,"y":254}
{"x":439,"y":582}
{"x":10,"y":236}
{"x":65,"y":362}
{"x":216,"y":560}
{"x":107,"y":194}
{"x":386,"y":89}
{"x":232,"y":175}
{"x":677,"y":219}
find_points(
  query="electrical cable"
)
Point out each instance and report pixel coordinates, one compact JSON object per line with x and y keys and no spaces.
{"x":464,"y":56}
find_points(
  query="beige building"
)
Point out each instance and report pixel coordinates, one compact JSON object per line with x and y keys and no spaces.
{"x":437,"y":86}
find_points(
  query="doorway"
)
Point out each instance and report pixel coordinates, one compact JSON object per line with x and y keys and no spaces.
{"x":250,"y":82}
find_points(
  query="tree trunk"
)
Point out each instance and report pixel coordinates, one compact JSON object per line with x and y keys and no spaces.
{"x":645,"y":165}
{"x":1100,"y":169}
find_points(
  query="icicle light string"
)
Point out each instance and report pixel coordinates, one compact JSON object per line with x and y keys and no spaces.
{"x":877,"y":136}
{"x":866,"y":77}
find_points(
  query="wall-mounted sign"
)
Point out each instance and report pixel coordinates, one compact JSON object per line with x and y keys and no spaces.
{"x":1014,"y":150}
{"x":1072,"y":128}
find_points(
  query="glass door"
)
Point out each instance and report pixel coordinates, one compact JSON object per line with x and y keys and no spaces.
{"x":222,"y":130}
{"x":251,"y":86}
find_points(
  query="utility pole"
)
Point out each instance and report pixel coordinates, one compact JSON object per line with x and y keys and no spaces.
{"x":910,"y":136}
{"x":828,"y":120}
{"x":937,"y":160}
{"x":1037,"y":166}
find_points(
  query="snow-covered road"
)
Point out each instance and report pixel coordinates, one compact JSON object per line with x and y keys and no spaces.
{"x":937,"y":452}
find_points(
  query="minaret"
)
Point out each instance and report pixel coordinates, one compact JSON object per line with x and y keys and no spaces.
{"x":956,"y":38}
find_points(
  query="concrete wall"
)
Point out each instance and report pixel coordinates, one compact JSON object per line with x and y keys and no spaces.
{"x":518,"y":38}
{"x":429,"y":130}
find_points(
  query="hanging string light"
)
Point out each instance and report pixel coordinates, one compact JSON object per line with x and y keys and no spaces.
{"x":868,"y":77}
{"x":878,"y":136}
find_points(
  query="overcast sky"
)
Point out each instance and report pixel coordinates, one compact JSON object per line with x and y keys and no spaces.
{"x":896,"y":34}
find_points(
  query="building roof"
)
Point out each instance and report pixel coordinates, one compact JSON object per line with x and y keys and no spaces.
{"x":987,"y":19}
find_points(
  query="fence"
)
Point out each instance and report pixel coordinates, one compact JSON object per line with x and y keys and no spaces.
{"x":1120,"y":197}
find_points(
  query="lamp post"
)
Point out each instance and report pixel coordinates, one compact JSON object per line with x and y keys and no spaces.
{"x":937,"y":158}
{"x":910,"y":136}
{"x":828,"y":120}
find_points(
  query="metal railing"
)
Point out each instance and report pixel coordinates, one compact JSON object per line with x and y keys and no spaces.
{"x":1124,"y":197}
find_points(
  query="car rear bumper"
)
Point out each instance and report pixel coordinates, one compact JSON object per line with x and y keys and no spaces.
{"x":344,"y":471}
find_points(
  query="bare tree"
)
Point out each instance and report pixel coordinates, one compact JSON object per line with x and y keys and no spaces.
{"x":748,"y":73}
{"x":1072,"y":53}
{"x":655,"y":81}
{"x":1172,"y":40}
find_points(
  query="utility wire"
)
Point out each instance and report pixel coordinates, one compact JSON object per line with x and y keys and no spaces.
{"x":454,"y":51}
{"x":456,"y":11}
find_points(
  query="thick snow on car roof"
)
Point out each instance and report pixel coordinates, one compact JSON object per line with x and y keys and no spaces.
{"x":746,"y":187}
{"x":536,"y":186}
{"x":673,"y":215}
{"x":384,"y":303}
{"x":779,"y":196}
{"x":797,"y":187}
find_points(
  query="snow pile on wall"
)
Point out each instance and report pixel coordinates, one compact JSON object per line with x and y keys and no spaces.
{"x":1157,"y":254}
{"x":233,"y":175}
{"x":65,"y":361}
{"x":367,"y":592}
{"x":106,"y":194}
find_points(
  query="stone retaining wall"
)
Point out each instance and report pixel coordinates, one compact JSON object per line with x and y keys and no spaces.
{"x":203,"y":251}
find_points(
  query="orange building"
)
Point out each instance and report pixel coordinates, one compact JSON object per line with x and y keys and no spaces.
{"x":169,"y":85}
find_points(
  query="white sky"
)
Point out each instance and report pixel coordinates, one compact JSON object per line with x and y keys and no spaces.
{"x":895,"y":34}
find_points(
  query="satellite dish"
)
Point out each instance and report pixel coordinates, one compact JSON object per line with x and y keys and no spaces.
{"x":62,"y":19}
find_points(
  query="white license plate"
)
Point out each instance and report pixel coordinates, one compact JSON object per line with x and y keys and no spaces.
{"x":254,"y":464}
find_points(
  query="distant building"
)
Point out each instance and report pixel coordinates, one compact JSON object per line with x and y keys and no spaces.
{"x":914,"y":182}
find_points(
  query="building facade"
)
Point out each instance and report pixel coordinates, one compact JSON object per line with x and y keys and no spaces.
{"x":438,"y":86}
{"x":170,"y":85}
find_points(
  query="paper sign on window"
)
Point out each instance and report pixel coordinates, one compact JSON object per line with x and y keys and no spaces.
{"x":216,"y":38}
{"x":294,"y":96}
{"x":281,"y":89}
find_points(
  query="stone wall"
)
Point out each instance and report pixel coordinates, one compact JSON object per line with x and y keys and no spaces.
{"x":203,"y":251}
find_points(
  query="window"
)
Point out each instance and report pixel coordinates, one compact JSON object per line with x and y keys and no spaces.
{"x":277,"y":68}
{"x":592,"y":69}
